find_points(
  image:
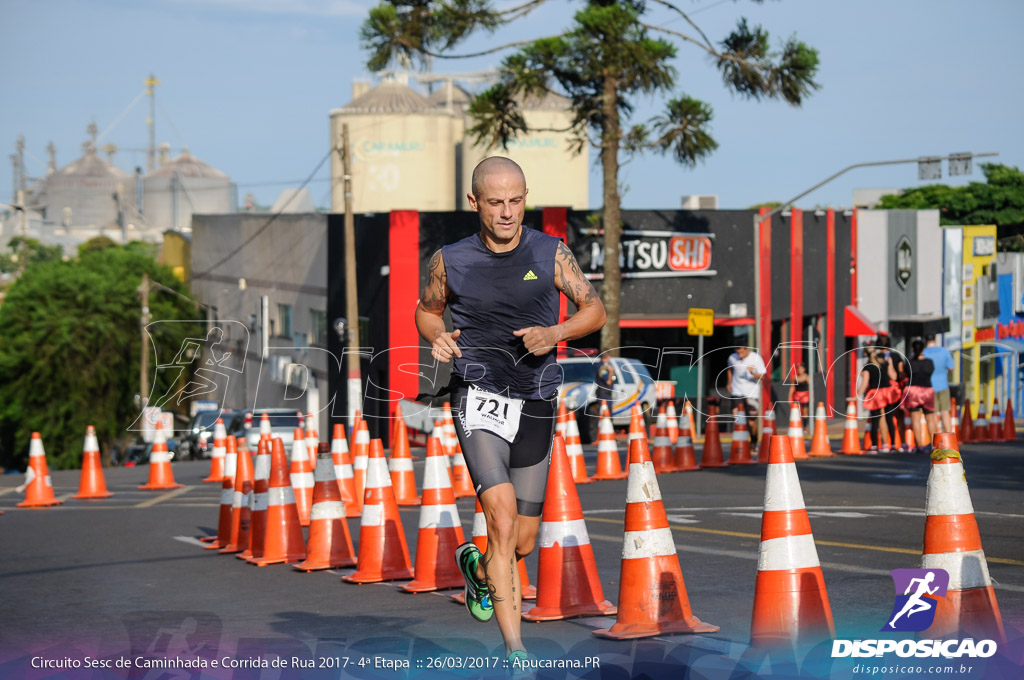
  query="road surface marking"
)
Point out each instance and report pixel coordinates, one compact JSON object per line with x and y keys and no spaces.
{"x":163,"y":497}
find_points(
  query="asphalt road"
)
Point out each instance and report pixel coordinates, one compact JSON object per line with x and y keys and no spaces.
{"x":125,"y":577}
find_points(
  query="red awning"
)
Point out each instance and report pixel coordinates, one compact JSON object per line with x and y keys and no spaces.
{"x":855,"y":323}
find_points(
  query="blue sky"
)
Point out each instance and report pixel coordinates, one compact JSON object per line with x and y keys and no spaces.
{"x":247,"y":86}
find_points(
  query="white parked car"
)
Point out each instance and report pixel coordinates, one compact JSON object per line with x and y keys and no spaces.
{"x":633,"y":385}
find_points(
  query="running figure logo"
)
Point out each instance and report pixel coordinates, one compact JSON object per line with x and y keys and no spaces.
{"x":914,"y":610}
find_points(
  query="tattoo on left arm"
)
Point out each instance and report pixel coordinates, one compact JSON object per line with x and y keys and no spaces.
{"x":570,"y":279}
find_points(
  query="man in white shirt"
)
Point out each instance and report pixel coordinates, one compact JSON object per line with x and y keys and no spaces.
{"x":745,"y":371}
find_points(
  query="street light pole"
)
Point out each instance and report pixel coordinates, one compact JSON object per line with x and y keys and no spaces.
{"x":760,"y":219}
{"x":355,"y":384}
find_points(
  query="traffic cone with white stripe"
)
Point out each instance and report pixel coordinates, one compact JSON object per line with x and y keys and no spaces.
{"x":568,"y":584}
{"x":450,"y":436}
{"x":38,"y":485}
{"x":561,"y":420}
{"x":820,"y":446}
{"x":851,"y":436}
{"x":652,"y":593}
{"x":689,"y":417}
{"x":161,"y":476}
{"x":796,"y":434}
{"x":954,"y":419}
{"x":343,"y":473}
{"x":227,"y":496}
{"x":462,"y":485}
{"x":1009,"y":423}
{"x":265,"y":429}
{"x":241,"y":517}
{"x":258,"y":500}
{"x":966,"y":433}
{"x":403,"y":481}
{"x":790,"y":598}
{"x":360,"y":457}
{"x":767,"y":431}
{"x":995,"y":424}
{"x":383,"y":552}
{"x":301,"y":475}
{"x":711,"y":455}
{"x":92,"y":485}
{"x":952,"y":542}
{"x":662,"y":452}
{"x":608,"y":464}
{"x":330,"y":543}
{"x":478,"y":535}
{"x":217,"y":454}
{"x":685,"y":455}
{"x":440,"y":529}
{"x":739,"y":451}
{"x":283,"y":540}
{"x":673,"y":423}
{"x":980,"y":423}
{"x":312,"y":443}
{"x":574,"y":450}
{"x":441,"y":436}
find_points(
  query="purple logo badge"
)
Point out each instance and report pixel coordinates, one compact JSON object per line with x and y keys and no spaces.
{"x":917,"y":597}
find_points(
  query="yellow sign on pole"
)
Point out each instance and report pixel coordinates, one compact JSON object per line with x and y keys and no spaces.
{"x":702,"y":322}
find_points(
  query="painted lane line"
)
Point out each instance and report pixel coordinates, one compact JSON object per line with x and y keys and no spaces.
{"x":163,"y":497}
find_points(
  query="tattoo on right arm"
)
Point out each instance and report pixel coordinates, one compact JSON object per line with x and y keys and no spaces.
{"x":435,"y":293}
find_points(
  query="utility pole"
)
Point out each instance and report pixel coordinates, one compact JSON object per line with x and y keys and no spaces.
{"x":355,"y":383}
{"x":143,"y":322}
{"x":151,"y":82}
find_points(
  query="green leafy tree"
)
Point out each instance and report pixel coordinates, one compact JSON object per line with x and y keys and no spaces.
{"x":611,"y":55}
{"x":23,"y":251}
{"x":70,"y":348}
{"x":999,"y":200}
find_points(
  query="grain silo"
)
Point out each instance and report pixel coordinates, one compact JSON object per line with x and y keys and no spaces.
{"x":181,"y":187}
{"x":554,"y":175}
{"x":89,"y":193}
{"x":403,"y":151}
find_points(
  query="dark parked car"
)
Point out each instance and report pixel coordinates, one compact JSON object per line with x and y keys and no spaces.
{"x":197,"y":440}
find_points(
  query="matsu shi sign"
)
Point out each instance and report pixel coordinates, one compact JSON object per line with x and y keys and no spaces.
{"x":648,"y":254}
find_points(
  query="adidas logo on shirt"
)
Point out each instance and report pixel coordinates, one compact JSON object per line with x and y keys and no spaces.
{"x":530,"y":276}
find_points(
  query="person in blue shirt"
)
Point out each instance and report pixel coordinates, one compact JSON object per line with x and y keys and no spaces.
{"x":942,"y":360}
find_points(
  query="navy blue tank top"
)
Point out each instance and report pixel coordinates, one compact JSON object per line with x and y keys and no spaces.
{"x":494,"y":294}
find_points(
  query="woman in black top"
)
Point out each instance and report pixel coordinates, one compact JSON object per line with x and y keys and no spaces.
{"x":873,"y":389}
{"x":919,"y":397}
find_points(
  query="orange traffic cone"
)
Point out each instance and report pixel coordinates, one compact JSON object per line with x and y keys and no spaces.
{"x":796,"y":434}
{"x":160,"y":474}
{"x":561,"y":420}
{"x":383,"y":552}
{"x":462,"y":485}
{"x":652,"y":592}
{"x":403,"y":481}
{"x":608,"y":464}
{"x":301,"y":476}
{"x":673,"y":423}
{"x":995,"y":424}
{"x":283,"y":540}
{"x":330,"y":543}
{"x":265,"y":429}
{"x":767,"y":431}
{"x":440,"y":529}
{"x":909,"y":443}
{"x":739,"y":451}
{"x":980,"y":430}
{"x":685,"y":456}
{"x":867,"y":441}
{"x":38,"y":486}
{"x":662,"y":451}
{"x":851,"y":443}
{"x":218,"y":453}
{"x":227,"y":497}
{"x":241,"y":515}
{"x":441,"y":436}
{"x":1009,"y":425}
{"x":897,"y":445}
{"x":954,"y":419}
{"x":711,"y":456}
{"x":344,"y":474}
{"x":92,"y":485}
{"x":312,"y":442}
{"x":360,"y":456}
{"x":636,"y":424}
{"x":966,"y":424}
{"x":689,"y":417}
{"x":450,"y":436}
{"x":820,"y":447}
{"x":479,"y":538}
{"x":790,"y":599}
{"x":574,"y":450}
{"x":567,"y":583}
{"x":400,"y":435}
{"x":952,"y":542}
{"x":258,"y":500}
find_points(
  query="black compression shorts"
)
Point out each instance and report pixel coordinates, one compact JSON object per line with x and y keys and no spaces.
{"x":523,"y":463}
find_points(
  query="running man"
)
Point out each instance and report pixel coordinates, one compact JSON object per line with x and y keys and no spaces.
{"x":501,"y":287}
{"x":916,"y":604}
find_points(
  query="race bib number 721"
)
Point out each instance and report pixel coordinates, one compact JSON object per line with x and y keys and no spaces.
{"x":492,"y":412}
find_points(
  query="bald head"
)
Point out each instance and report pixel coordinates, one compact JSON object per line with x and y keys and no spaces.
{"x":494,"y":165}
